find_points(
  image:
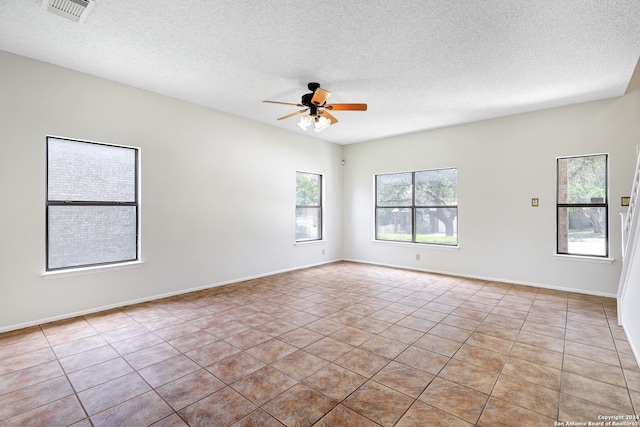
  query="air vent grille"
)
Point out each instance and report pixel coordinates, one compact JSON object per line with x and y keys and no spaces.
{"x":76,"y":10}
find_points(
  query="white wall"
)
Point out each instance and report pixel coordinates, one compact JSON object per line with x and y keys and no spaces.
{"x":218,"y":191}
{"x":629,"y":292}
{"x":502,"y":164}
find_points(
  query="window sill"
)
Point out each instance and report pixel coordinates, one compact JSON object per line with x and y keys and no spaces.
{"x":585,"y":258}
{"x":417,"y":245}
{"x":58,"y":274}
{"x":309,"y":242}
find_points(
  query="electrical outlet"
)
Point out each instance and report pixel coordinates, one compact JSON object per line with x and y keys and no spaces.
{"x":417,"y":257}
{"x":323,"y":252}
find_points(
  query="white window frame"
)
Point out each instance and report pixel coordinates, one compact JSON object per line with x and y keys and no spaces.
{"x":319,"y":206}
{"x":560,"y":234}
{"x":91,"y":267}
{"x":413,"y":207}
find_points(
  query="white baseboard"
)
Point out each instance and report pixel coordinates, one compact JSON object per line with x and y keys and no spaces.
{"x":634,"y":350}
{"x":491,"y":279}
{"x":152,"y":298}
{"x":242,"y":279}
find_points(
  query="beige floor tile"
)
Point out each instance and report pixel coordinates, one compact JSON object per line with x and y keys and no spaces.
{"x":235,"y":367}
{"x":287,"y":408}
{"x":363,"y":362}
{"x":168,"y":370}
{"x":633,"y":379}
{"x":424,"y":360}
{"x":189,"y":389}
{"x":379,"y":403}
{"x":33,"y":396}
{"x":224,"y":407}
{"x":329,"y":349}
{"x":258,"y":418}
{"x":533,"y":372}
{"x":575,"y":409}
{"x":594,"y":370}
{"x":271,"y":351}
{"x":341,"y":416}
{"x":383,"y":346}
{"x":468,"y":375}
{"x":112,"y":393}
{"x":335,"y":381}
{"x":541,"y":341}
{"x":450,"y":332}
{"x":596,"y":391}
{"x":457,"y":400}
{"x":141,"y":410}
{"x":438,"y":344}
{"x":501,"y":413}
{"x":420,"y":414}
{"x":403,"y":378}
{"x":300,"y":364}
{"x":263,"y":385}
{"x":60,"y":413}
{"x":341,"y":344}
{"x":489,"y":342}
{"x":527,"y":395}
{"x":541,"y":356}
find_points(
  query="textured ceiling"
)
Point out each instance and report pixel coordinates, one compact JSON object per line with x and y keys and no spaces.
{"x":418,"y":64}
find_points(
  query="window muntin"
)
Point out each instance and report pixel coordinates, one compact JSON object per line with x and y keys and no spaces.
{"x":308,"y":206}
{"x":92,"y":204}
{"x":582,"y":205}
{"x":418,"y":207}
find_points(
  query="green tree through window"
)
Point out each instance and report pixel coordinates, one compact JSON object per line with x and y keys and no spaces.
{"x":308,"y":206}
{"x":418,"y":207}
{"x":582,"y":205}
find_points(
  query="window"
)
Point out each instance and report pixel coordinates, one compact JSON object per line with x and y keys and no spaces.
{"x":418,"y":207}
{"x":92,"y":204}
{"x":583,"y":206}
{"x":308,"y":206}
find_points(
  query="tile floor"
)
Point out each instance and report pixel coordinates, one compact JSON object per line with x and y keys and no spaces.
{"x":343,"y":344}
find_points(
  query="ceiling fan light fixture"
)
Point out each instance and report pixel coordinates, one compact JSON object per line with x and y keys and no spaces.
{"x":317,"y":108}
{"x":305,"y":121}
{"x":321,"y":123}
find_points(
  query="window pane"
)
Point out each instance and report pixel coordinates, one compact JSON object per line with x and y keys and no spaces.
{"x":307,"y":189}
{"x":394,"y":189}
{"x":394,"y":224}
{"x":582,"y":179}
{"x":84,"y":171}
{"x":437,"y":225}
{"x":582,"y":231}
{"x":437,"y":187}
{"x":84,"y":235}
{"x":308,"y":224}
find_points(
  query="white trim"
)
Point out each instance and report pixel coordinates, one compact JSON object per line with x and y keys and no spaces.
{"x":70,"y":272}
{"x":634,"y":350}
{"x":584,"y":258}
{"x":416,"y":245}
{"x":213,"y":285}
{"x":309,"y":242}
{"x":152,"y":298}
{"x":489,"y":279}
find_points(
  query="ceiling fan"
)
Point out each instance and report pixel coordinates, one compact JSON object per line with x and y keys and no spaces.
{"x":316,"y":104}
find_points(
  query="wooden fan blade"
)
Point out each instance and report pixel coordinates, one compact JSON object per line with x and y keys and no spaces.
{"x":354,"y":107}
{"x":294,"y":114}
{"x":320,"y":96}
{"x":284,"y":103}
{"x":326,"y":114}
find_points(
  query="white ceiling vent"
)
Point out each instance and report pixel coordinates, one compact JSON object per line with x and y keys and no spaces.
{"x":76,"y":10}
